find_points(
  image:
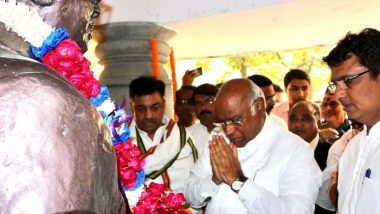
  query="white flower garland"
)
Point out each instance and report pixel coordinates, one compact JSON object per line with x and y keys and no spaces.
{"x":27,"y":23}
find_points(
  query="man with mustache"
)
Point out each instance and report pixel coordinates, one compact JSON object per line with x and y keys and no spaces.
{"x":168,"y":149}
{"x":184,"y":106}
{"x":203,"y":98}
{"x":355,"y":80}
{"x":303,"y":121}
{"x":297,"y":87}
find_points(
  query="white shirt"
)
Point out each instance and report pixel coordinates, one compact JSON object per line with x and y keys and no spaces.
{"x":200,"y":135}
{"x":335,"y":152}
{"x":283,"y":177}
{"x":359,"y":193}
{"x":164,"y":152}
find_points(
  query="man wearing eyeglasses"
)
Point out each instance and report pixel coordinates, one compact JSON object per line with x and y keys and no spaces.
{"x":184,"y":106}
{"x":355,"y":79}
{"x":168,"y":149}
{"x":335,"y":123}
{"x":203,"y":99}
{"x":253,"y":165}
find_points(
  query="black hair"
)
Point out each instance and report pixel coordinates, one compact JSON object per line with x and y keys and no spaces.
{"x":186,"y":87}
{"x":295,"y":74}
{"x":43,"y":3}
{"x":260,"y":80}
{"x":146,"y":85}
{"x":277,"y":88}
{"x":365,"y":46}
{"x":206,"y":89}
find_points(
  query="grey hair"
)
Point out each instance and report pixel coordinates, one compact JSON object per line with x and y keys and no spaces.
{"x":254,"y":93}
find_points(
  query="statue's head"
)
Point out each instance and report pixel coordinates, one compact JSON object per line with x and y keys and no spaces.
{"x":74,"y":15}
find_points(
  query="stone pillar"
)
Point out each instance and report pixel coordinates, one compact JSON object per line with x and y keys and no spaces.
{"x":125,"y":52}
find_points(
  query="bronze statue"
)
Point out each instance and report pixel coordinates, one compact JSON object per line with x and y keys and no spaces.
{"x":56,"y":153}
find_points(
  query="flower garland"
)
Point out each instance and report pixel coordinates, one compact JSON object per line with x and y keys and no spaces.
{"x":53,"y":48}
{"x":157,"y":200}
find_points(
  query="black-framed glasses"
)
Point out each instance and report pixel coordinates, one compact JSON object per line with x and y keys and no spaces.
{"x":344,"y":83}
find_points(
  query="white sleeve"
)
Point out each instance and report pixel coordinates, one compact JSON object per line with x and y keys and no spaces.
{"x":199,"y":187}
{"x":335,"y":152}
{"x":298,"y":188}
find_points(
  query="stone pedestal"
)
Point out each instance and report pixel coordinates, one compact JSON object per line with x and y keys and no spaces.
{"x":125,"y":52}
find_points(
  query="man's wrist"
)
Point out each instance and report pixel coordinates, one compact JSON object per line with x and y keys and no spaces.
{"x":238,"y":183}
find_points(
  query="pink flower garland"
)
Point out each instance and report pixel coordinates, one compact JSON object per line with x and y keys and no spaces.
{"x":67,"y":59}
{"x":128,"y":163}
{"x":156,"y":201}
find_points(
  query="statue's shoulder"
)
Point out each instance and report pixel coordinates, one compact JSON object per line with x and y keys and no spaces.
{"x":21,"y":66}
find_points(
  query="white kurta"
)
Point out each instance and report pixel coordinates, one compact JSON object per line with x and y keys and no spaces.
{"x":164,"y":152}
{"x":335,"y":152}
{"x":283,"y":177}
{"x":359,"y":193}
{"x":200,"y":135}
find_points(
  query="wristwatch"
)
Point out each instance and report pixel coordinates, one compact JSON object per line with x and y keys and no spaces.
{"x":238,"y":183}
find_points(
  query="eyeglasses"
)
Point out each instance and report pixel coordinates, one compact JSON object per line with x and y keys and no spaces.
{"x":210,"y":100}
{"x":332,"y":104}
{"x":344,"y":83}
{"x":237,"y":122}
{"x":184,"y":101}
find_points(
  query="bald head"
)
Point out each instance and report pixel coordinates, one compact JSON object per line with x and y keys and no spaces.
{"x":240,"y":109}
{"x":242,"y":88}
{"x":303,"y":120}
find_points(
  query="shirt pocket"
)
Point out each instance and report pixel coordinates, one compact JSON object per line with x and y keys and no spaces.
{"x":267,"y":180}
{"x":368,"y":197}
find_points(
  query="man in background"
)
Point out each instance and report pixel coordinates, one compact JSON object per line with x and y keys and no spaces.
{"x":266,"y":86}
{"x":297,"y":87}
{"x":168,"y":149}
{"x":184,"y":106}
{"x":303,"y":121}
{"x":204,"y":98}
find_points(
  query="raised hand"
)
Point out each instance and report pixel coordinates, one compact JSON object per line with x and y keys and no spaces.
{"x":225,"y":159}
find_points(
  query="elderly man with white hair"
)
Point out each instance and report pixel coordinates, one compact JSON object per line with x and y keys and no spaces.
{"x":254,"y":165}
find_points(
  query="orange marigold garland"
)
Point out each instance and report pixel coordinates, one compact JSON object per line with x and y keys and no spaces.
{"x":174,"y":75}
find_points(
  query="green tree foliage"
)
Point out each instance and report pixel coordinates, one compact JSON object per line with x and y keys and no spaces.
{"x":273,"y":64}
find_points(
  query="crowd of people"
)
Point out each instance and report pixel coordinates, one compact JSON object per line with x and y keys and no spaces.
{"x":234,"y":148}
{"x":296,"y":156}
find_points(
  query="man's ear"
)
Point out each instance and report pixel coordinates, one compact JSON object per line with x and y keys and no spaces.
{"x":260,"y":104}
{"x":131,"y":106}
